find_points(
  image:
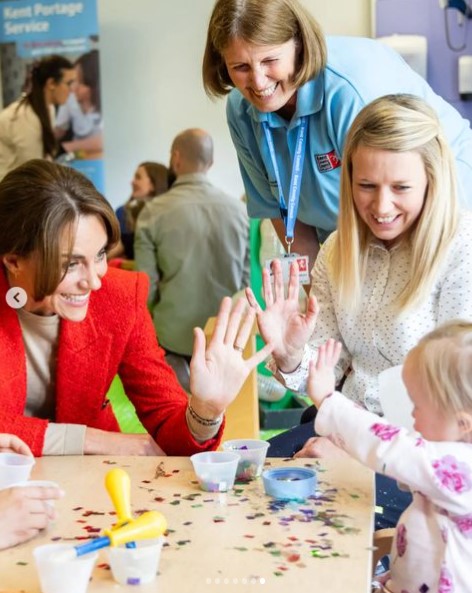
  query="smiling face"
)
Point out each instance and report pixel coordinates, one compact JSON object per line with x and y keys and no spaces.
{"x":57,"y":93}
{"x":262,"y":73}
{"x":82,"y":91}
{"x":433,"y":423}
{"x":141,"y":184}
{"x":82,"y":275}
{"x":389,"y":190}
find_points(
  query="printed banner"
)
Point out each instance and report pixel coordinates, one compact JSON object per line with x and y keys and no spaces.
{"x":30,"y":30}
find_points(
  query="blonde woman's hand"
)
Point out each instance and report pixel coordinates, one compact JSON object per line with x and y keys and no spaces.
{"x":282,"y":324}
{"x":218,"y":369}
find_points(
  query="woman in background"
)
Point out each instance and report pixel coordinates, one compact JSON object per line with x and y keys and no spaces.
{"x":150,"y":180}
{"x":27,"y":125}
{"x":79,"y":121}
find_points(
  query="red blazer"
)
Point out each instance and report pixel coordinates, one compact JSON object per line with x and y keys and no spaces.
{"x":116,"y":337}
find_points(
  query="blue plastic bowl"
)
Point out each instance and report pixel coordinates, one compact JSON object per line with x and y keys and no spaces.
{"x":290,"y":483}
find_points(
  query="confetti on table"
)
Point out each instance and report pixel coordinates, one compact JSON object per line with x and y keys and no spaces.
{"x":160,"y":471}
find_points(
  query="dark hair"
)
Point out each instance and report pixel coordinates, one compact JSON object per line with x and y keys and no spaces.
{"x":49,"y":67}
{"x":90,"y":66}
{"x":159,"y":176}
{"x":161,"y":179}
{"x":262,"y":22}
{"x":39,"y":201}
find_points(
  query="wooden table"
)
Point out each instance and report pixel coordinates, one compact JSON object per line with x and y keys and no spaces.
{"x":242,"y":541}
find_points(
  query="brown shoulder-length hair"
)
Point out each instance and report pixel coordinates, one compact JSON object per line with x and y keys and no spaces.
{"x":161,"y":180}
{"x":261,"y":22}
{"x":90,"y":66}
{"x":49,"y":67}
{"x":40,"y":203}
{"x":159,"y":176}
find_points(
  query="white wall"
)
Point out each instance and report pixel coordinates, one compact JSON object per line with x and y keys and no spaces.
{"x":151,"y":53}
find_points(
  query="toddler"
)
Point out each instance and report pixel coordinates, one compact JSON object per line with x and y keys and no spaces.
{"x":432,"y":548}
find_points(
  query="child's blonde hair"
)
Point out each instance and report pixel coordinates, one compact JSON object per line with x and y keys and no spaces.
{"x":444,"y":363}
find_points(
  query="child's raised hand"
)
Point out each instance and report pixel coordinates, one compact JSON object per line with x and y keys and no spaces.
{"x":322,"y":380}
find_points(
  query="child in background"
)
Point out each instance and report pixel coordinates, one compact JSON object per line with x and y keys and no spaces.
{"x":23,"y":511}
{"x":432,"y":548}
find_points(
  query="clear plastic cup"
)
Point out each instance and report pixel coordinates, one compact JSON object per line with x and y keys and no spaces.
{"x":215,"y":470}
{"x":57,"y":575}
{"x":136,"y":566}
{"x":14,"y":468}
{"x":252,"y":454}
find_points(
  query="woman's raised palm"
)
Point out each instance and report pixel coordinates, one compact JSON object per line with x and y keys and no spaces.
{"x":282,"y":324}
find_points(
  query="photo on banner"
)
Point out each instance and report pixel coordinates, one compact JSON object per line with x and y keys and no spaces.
{"x":31,"y":30}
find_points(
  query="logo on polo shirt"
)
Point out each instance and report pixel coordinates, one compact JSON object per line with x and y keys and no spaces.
{"x":327,"y":162}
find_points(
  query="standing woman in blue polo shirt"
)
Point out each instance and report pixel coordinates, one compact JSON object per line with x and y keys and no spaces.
{"x":292,"y":97}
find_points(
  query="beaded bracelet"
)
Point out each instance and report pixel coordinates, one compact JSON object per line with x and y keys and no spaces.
{"x":203,"y":421}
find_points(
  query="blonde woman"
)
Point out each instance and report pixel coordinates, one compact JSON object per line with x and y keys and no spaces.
{"x":399,"y":264}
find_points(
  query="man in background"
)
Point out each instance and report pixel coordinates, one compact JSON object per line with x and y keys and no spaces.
{"x":192,"y":241}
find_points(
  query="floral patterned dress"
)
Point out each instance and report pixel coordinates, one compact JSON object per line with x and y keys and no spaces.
{"x":432,"y":549}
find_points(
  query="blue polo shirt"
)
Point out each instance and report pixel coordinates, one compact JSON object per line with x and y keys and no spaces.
{"x":358,"y":71}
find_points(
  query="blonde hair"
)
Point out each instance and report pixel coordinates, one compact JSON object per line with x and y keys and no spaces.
{"x":444,"y":363}
{"x":397,"y":123}
{"x":261,"y":22}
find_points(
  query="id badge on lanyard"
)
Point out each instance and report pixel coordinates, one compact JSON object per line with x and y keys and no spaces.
{"x":289,"y":211}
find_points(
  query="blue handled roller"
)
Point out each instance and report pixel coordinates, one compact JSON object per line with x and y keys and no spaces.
{"x":149,"y":525}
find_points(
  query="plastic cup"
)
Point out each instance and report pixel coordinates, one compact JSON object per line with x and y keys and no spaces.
{"x":289,"y":483}
{"x":215,"y":470}
{"x":136,"y":566}
{"x":57,"y":575}
{"x":252,"y":454}
{"x":14,"y":468}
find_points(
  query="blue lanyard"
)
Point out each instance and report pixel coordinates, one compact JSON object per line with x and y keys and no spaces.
{"x":289,"y":213}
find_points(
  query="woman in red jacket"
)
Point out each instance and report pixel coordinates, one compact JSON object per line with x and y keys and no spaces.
{"x":78,"y":326}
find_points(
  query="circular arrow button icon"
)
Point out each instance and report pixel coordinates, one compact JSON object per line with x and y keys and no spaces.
{"x":16,"y":297}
